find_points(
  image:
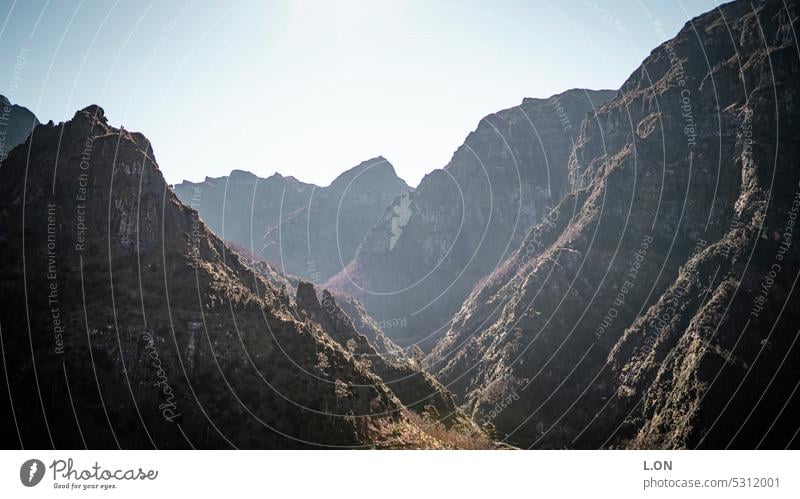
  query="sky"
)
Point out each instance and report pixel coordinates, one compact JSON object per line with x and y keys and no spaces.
{"x":312,"y":88}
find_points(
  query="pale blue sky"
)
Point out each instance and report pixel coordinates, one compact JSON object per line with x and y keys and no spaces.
{"x":311,"y":88}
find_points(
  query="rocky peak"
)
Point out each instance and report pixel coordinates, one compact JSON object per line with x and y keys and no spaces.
{"x":429,"y":249}
{"x":241,"y":207}
{"x":632,"y":315}
{"x":308,"y":301}
{"x":108,"y":236}
{"x":320,"y":239}
{"x":415,"y":388}
{"x":93,"y":112}
{"x":376,"y":165}
{"x":375,"y":173}
{"x":244,"y":175}
{"x":16,"y":123}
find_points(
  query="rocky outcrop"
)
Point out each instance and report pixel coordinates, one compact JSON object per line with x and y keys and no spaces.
{"x":415,"y":388}
{"x":127,"y":323}
{"x":319,"y":239}
{"x":371,"y":329}
{"x":652,"y":307}
{"x":431,"y":247}
{"x":363,"y":323}
{"x":16,"y":123}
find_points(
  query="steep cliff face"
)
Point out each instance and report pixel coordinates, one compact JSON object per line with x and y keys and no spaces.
{"x":126,"y":322}
{"x":360,"y":320}
{"x":241,"y":207}
{"x":16,"y":123}
{"x":366,"y":325}
{"x":431,"y":246}
{"x":415,"y":388}
{"x":320,"y":238}
{"x":652,"y":308}
{"x":301,"y":229}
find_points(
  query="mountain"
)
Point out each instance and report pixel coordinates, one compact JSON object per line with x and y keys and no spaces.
{"x":652,"y":307}
{"x":16,"y":123}
{"x":241,"y":207}
{"x":302,"y":229}
{"x":320,"y":239}
{"x":125,"y":322}
{"x":371,"y":329}
{"x":431,"y":406}
{"x":418,"y":264}
{"x":414,"y":387}
{"x":360,"y":320}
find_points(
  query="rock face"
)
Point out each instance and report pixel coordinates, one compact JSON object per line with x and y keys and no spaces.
{"x":371,"y":329}
{"x":652,"y":308}
{"x":415,"y":388}
{"x":16,"y":123}
{"x":361,"y":321}
{"x":127,"y":323}
{"x":432,"y":246}
{"x":242,"y":207}
{"x":301,"y":229}
{"x":319,"y":239}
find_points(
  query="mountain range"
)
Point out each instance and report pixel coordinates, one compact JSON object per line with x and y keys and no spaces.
{"x":433,"y":245}
{"x":596,"y":269}
{"x":653,"y":307}
{"x":302,"y":229}
{"x":136,"y":327}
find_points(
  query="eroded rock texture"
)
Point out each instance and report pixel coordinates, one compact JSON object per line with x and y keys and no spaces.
{"x":126,"y":322}
{"x":416,"y":266}
{"x":654,"y":307}
{"x":301,"y":229}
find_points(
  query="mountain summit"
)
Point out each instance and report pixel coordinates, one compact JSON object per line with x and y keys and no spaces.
{"x":652,"y":308}
{"x":301,"y":229}
{"x":321,"y":238}
{"x":431,"y":247}
{"x":16,"y":123}
{"x":127,"y":323}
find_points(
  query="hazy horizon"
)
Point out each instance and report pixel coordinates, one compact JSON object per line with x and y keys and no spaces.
{"x":310,"y":89}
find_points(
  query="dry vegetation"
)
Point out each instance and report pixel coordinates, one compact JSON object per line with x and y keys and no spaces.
{"x":423,"y":432}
